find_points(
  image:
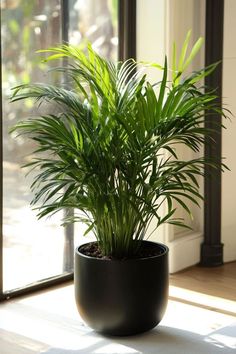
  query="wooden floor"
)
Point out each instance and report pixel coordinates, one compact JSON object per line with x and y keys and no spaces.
{"x":210,"y":288}
{"x":217,"y":281}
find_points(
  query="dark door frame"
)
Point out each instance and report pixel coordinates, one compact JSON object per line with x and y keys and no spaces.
{"x":212,"y":248}
{"x":127,"y":29}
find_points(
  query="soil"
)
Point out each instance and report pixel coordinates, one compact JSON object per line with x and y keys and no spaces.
{"x":147,"y":250}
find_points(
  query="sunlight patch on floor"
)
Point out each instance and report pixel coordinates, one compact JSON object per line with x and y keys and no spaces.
{"x":208,"y":301}
{"x":49,"y":323}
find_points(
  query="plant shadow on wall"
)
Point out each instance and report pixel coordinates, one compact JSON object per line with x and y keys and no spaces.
{"x":111,"y":156}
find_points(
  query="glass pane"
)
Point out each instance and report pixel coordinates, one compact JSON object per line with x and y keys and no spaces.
{"x":97,"y":22}
{"x":38,"y":249}
{"x":33,"y":249}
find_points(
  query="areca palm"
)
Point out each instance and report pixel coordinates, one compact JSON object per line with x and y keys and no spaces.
{"x":111,"y":148}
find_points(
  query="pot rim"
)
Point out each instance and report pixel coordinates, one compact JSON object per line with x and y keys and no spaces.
{"x":161,"y":245}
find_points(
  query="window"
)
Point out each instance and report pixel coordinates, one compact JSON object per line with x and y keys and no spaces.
{"x":35,"y":250}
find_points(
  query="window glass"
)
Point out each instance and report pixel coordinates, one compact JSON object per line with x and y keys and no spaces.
{"x":33,"y":249}
{"x":39,"y":249}
{"x":95,"y":21}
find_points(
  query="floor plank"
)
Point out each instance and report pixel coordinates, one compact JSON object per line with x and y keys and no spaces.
{"x":217,"y":281}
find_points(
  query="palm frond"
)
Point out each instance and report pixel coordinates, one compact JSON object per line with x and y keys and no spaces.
{"x":111,"y":146}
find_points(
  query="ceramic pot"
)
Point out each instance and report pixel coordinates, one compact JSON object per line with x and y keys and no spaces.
{"x":122,"y":297}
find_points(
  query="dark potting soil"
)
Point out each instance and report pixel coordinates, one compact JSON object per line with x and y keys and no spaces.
{"x":147,"y":250}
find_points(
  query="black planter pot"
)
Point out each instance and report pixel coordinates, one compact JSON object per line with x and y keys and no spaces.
{"x":122,"y":297}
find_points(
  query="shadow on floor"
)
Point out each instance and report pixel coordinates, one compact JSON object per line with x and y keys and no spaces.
{"x":161,"y":340}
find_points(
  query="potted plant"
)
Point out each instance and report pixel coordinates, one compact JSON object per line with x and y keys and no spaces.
{"x":111,"y":155}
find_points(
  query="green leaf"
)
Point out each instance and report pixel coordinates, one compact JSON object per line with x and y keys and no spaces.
{"x":184,"y":51}
{"x":110,"y":150}
{"x":193,"y":53}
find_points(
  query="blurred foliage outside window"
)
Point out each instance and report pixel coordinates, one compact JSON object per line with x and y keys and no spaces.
{"x":28,"y":26}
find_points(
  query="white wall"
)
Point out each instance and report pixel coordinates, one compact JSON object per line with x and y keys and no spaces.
{"x":151,"y":33}
{"x":151,"y":47}
{"x":159,"y":23}
{"x":229,"y":135}
{"x":183,"y":15}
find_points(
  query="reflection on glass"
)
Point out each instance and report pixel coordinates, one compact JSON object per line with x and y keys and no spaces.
{"x":38,"y":249}
{"x":33,"y":249}
{"x":95,"y":21}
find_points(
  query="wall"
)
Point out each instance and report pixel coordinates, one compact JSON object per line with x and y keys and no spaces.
{"x":159,"y":22}
{"x":229,"y":135}
{"x":151,"y":32}
{"x":151,"y":47}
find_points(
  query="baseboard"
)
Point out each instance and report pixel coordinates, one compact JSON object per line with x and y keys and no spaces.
{"x":185,"y":251}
